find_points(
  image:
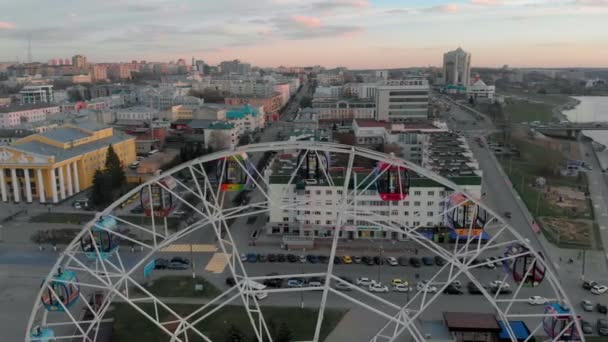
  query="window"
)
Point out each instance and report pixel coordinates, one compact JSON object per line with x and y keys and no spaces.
{"x":318,"y":222}
{"x":430,"y":203}
{"x":429,"y":214}
{"x":318,"y":192}
{"x":431,"y":193}
{"x":416,"y":203}
{"x":339,"y":192}
{"x":406,"y":203}
{"x":406,"y":213}
{"x":285,"y":219}
{"x":417,"y":193}
{"x":328,"y":222}
{"x":394,"y":212}
{"x":307,"y":192}
{"x":328,"y":192}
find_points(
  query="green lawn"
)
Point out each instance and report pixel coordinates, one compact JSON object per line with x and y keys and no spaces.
{"x":182,"y":286}
{"x":524,"y":111}
{"x":553,"y":99}
{"x":131,"y":326}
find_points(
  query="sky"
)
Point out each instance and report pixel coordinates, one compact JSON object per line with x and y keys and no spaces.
{"x":351,"y":33}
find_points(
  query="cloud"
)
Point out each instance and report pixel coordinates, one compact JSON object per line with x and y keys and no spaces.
{"x":310,"y":22}
{"x":5,"y":25}
{"x":487,"y":2}
{"x":338,"y":4}
{"x":599,"y":3}
{"x":447,"y":8}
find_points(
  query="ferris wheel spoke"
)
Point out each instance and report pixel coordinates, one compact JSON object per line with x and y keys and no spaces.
{"x":153,"y":233}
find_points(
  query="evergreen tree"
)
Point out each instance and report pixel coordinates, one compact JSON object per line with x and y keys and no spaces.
{"x":102,"y":188}
{"x":234,"y":335}
{"x":284,"y":334}
{"x":114,"y":169}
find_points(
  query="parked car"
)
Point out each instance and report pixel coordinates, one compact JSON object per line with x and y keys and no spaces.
{"x":316,"y":282}
{"x":378,"y":260}
{"x":401,"y":288}
{"x":312,"y":259}
{"x":499,"y":283}
{"x":337,"y":260}
{"x":398,"y":281}
{"x":490,"y":264}
{"x":180,"y":260}
{"x":295,"y":283}
{"x":424,"y":286}
{"x":497,"y":262}
{"x":428,"y":261}
{"x":275,"y":282}
{"x":271,"y":258}
{"x":586,"y":327}
{"x":347,"y":259}
{"x":262,"y":257}
{"x":587,"y":305}
{"x":281,"y":258}
{"x":365,"y":281}
{"x":537,"y":300}
{"x":602,"y":327}
{"x":323,"y":259}
{"x":452,"y":290}
{"x":302,"y":258}
{"x":599,"y":289}
{"x":368,"y":260}
{"x":243,"y":257}
{"x":377,"y":287}
{"x":230,"y":281}
{"x":357,"y":259}
{"x":177,"y":266}
{"x":439,"y":261}
{"x":508,"y":214}
{"x":392,"y":261}
{"x":342,"y":286}
{"x":473,"y":289}
{"x":403,"y":261}
{"x":252,"y":257}
{"x":502,"y":290}
{"x":588,"y":284}
{"x":601,"y":308}
{"x":292,"y":258}
{"x":161,"y":264}
{"x":415,"y":262}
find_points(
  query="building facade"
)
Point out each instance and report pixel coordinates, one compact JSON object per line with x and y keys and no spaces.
{"x":99,"y":72}
{"x":348,"y":109}
{"x":272,"y":104}
{"x":457,"y":68}
{"x":402,"y":100}
{"x":52,"y":166}
{"x":79,"y":61}
{"x":33,"y":94}
{"x":16,"y":115}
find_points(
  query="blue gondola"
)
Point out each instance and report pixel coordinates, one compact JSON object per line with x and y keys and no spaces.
{"x":232,"y":175}
{"x":66,"y":291}
{"x":523,"y":268}
{"x":313,"y":165}
{"x":392,"y":182}
{"x":464,"y":217}
{"x":106,"y":242}
{"x":156,"y":200}
{"x":40,"y":334}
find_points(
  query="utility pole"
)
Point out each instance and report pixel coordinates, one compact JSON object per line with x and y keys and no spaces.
{"x":538,"y":201}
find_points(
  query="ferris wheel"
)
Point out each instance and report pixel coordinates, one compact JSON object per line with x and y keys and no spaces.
{"x":109,"y":260}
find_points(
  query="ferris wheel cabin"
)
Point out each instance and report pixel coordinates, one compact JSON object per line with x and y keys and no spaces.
{"x":61,"y":292}
{"x":231,"y":173}
{"x":101,"y":239}
{"x":392,"y":182}
{"x":156,"y":200}
{"x":313,"y":165}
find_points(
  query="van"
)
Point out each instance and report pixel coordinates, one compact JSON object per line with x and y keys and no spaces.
{"x":134,"y":165}
{"x":152,"y":152}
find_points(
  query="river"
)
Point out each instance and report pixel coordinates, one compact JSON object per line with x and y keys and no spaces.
{"x":591,"y":108}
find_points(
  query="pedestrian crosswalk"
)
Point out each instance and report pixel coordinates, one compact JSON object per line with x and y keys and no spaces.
{"x":195,"y":248}
{"x":218,"y":263}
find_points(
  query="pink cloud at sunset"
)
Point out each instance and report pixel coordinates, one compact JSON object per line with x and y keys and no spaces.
{"x":6,"y":25}
{"x":310,"y":22}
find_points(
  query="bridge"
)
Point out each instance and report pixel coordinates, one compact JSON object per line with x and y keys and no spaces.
{"x":569,"y":130}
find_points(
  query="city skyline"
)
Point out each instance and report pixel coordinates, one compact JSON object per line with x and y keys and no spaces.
{"x":351,"y":33}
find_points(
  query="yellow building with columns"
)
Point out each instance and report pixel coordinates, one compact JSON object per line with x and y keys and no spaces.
{"x":56,"y":164}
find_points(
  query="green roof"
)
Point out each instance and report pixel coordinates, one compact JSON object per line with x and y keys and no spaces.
{"x":241,"y":113}
{"x":221,"y":125}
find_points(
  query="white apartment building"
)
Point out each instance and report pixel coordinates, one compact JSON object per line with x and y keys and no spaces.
{"x":246,"y":119}
{"x":361,"y":90}
{"x":138,"y":113}
{"x":480,"y":90}
{"x":402,"y":100}
{"x":328,"y":92}
{"x":33,"y":94}
{"x":457,"y":68}
{"x":315,"y":203}
{"x":334,"y":109}
{"x":326,"y":79}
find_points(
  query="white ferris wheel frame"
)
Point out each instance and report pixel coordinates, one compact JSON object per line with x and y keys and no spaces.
{"x":114,"y":278}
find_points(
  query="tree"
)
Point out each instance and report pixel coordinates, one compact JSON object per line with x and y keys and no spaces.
{"x":284,"y":334}
{"x":245,"y":139}
{"x":218,"y":140}
{"x":114,"y":169}
{"x":234,"y":335}
{"x":102,"y":188}
{"x":305,"y":102}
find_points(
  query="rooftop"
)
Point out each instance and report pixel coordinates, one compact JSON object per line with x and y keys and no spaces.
{"x":19,"y":108}
{"x":221,"y":125}
{"x":240,"y":113}
{"x":372,"y":123}
{"x":65,"y":134}
{"x":471,"y":321}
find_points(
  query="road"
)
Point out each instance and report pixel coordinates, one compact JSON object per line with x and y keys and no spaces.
{"x":501,"y":198}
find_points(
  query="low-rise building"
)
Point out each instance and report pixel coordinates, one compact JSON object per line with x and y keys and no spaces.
{"x":181,"y":112}
{"x":34,"y":94}
{"x":272,"y":104}
{"x":221,"y":135}
{"x":246,"y":118}
{"x":54,"y":165}
{"x":344,"y":109}
{"x":403,"y":100}
{"x":138,"y":113}
{"x":480,"y":90}
{"x":12,"y":116}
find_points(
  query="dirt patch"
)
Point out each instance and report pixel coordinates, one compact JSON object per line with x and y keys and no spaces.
{"x":566,"y":197}
{"x":569,"y":232}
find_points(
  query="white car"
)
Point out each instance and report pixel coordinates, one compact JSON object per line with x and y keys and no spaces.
{"x":401,"y":288}
{"x":599,"y":289}
{"x":499,"y":283}
{"x":537,"y":300}
{"x":377,"y":287}
{"x":392,"y":261}
{"x":365,"y":281}
{"x":490,"y":263}
{"x":425,"y":287}
{"x":243,"y":257}
{"x":303,"y":259}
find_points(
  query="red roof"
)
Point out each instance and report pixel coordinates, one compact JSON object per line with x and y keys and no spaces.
{"x":372,"y":123}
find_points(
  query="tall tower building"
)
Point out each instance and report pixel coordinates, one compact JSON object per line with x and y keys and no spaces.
{"x":79,"y":61}
{"x":457,"y":67}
